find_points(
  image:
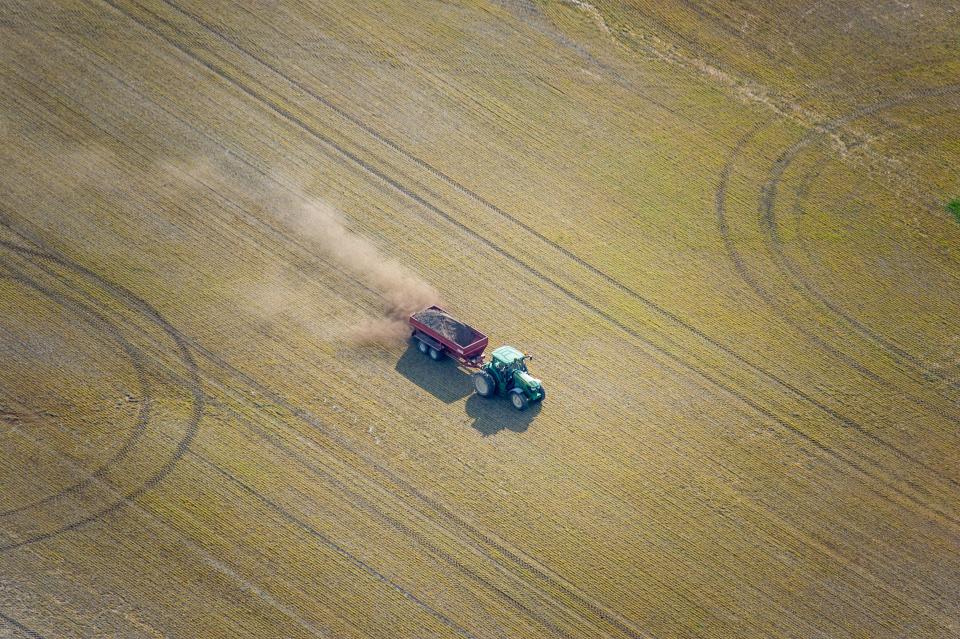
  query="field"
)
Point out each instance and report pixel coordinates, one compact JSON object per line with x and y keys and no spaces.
{"x":722,"y":229}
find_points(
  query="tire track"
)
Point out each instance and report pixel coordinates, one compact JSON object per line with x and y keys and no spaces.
{"x":393,"y":184}
{"x":10,"y":621}
{"x":768,"y":217}
{"x":767,"y":297}
{"x":801,"y":282}
{"x":789,"y":268}
{"x":287,"y":515}
{"x":183,"y":448}
{"x":186,"y":358}
{"x":103,"y":325}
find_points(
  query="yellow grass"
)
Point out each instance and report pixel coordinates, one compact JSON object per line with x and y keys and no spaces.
{"x":719,"y":229}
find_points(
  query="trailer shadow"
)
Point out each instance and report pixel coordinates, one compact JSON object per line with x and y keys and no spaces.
{"x":444,"y":379}
{"x":490,"y":416}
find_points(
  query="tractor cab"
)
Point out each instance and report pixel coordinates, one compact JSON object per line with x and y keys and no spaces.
{"x":509,"y":359}
{"x":506,"y":373}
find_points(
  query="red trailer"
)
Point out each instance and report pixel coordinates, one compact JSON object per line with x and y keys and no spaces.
{"x":437,"y":334}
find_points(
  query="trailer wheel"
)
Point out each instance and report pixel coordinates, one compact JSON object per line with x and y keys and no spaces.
{"x":518,"y":399}
{"x":435,"y":355}
{"x":422,"y":346}
{"x":484,"y":384}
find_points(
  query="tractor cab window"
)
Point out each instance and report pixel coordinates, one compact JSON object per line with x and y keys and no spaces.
{"x":516,"y":364}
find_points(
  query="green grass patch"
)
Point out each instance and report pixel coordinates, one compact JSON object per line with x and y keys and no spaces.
{"x":954,"y":207}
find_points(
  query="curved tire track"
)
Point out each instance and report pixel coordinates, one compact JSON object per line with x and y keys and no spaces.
{"x":737,"y":259}
{"x":790,"y":269}
{"x":100,"y":323}
{"x":185,"y":356}
{"x":183,"y":448}
{"x":10,"y":621}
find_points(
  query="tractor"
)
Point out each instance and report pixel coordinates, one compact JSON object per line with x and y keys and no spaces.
{"x":439,"y":335}
{"x":506,"y":374}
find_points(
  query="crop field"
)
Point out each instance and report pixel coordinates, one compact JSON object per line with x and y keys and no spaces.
{"x":726,"y":231}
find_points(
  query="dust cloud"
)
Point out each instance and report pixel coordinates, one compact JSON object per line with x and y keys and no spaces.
{"x":271,"y":290}
{"x":401,"y":291}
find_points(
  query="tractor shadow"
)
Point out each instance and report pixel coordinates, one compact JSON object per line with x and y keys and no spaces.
{"x":495,"y":414}
{"x":444,"y":379}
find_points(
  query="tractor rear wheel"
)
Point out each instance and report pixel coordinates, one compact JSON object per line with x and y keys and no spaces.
{"x":435,"y":355}
{"x":484,"y":384}
{"x":518,"y":399}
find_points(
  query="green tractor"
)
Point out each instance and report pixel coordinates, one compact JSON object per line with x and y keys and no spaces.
{"x":506,"y":374}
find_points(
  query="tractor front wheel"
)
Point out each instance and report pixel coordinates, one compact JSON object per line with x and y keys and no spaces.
{"x":484,"y":384}
{"x":518,"y":399}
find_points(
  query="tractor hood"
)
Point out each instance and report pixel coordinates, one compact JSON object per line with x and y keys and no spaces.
{"x":529,"y":380}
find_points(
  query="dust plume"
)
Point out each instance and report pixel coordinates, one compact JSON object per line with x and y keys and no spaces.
{"x":401,"y":291}
{"x":270,"y":289}
{"x":322,"y":228}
